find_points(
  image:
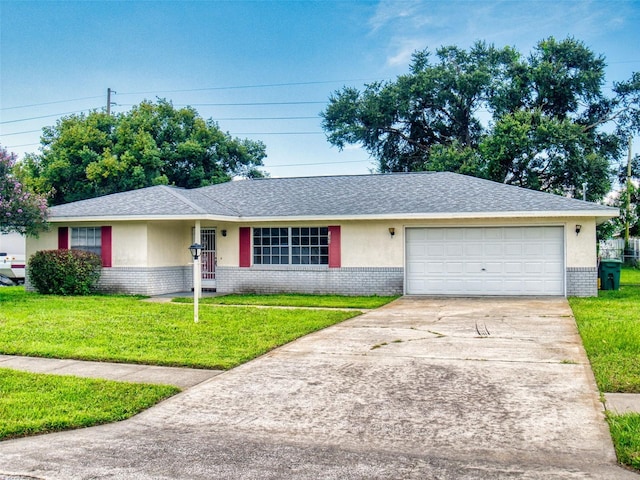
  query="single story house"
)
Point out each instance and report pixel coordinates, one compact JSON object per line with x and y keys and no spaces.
{"x":431,"y":233}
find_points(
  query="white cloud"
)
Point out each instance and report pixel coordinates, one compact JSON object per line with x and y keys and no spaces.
{"x":390,"y":12}
{"x":408,"y":26}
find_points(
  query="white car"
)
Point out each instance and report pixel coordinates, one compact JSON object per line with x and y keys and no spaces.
{"x":11,"y":269}
{"x":12,"y":258}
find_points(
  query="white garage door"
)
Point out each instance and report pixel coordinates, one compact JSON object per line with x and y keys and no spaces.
{"x":485,"y":261}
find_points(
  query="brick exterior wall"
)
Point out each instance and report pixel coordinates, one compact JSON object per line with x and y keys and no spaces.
{"x":141,"y":280}
{"x":146,"y":281}
{"x":344,"y":281}
{"x":582,"y":282}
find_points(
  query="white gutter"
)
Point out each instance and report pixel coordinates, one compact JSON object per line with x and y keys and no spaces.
{"x":600,"y":215}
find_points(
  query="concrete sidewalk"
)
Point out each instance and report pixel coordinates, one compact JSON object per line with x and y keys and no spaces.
{"x":124,"y":372}
{"x":423,"y":388}
{"x":622,"y":403}
{"x":182,"y":377}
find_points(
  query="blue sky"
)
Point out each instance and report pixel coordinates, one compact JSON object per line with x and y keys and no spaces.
{"x":283,"y":57}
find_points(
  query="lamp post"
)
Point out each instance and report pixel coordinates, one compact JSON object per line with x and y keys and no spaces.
{"x":195,"y":250}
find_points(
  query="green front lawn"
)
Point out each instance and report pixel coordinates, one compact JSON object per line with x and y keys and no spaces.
{"x":125,"y":329}
{"x":295,"y":300}
{"x":630,"y":276}
{"x":32,"y":403}
{"x":610,"y":330}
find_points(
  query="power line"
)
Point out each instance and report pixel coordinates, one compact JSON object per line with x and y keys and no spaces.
{"x":314,"y":164}
{"x":23,"y":145}
{"x":278,"y":133}
{"x":249,"y":104}
{"x":46,"y":116}
{"x":267,"y":118}
{"x":50,"y":103}
{"x":19,"y":133}
{"x":237,"y":87}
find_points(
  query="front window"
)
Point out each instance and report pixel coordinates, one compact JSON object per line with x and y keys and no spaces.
{"x":87,"y":238}
{"x":291,"y":246}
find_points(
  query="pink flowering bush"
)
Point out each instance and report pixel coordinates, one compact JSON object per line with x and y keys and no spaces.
{"x":20,"y":210}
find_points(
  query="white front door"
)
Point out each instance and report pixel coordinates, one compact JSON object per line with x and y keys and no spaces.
{"x":485,"y":261}
{"x":208,"y":257}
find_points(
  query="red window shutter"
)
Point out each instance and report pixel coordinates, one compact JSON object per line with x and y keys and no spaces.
{"x":245,"y":246}
{"x":334,"y":247}
{"x":106,"y":246}
{"x":63,"y":238}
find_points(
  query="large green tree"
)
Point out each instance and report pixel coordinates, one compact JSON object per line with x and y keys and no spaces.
{"x":536,"y":121}
{"x":21,"y":211}
{"x":85,"y":156}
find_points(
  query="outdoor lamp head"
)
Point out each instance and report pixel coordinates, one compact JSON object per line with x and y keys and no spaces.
{"x":195,"y":250}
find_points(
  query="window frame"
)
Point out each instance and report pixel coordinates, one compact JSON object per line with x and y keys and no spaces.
{"x":86,"y":242}
{"x":299,"y":246}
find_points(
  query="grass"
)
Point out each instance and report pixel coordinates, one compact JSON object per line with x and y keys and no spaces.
{"x":630,"y":276}
{"x":625,"y":431}
{"x":32,"y":403}
{"x":125,"y":329}
{"x":610,"y":330}
{"x":295,"y":300}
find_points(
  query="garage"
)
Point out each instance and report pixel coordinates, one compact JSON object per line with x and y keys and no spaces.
{"x":485,"y":261}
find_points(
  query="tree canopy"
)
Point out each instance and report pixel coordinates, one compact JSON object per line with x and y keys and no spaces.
{"x":85,"y":156}
{"x":21,"y":211}
{"x":536,"y":121}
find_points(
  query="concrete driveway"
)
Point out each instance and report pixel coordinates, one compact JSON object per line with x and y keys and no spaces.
{"x":424,"y":388}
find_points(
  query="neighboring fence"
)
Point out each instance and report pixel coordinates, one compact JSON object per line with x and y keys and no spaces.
{"x":614,"y":248}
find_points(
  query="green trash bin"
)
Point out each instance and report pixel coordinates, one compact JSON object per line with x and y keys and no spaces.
{"x":609,"y":274}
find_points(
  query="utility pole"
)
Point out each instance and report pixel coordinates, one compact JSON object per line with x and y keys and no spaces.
{"x":109,"y":102}
{"x":628,"y":215}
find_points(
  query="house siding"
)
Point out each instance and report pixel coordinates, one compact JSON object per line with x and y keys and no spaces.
{"x":344,"y":281}
{"x":582,"y":282}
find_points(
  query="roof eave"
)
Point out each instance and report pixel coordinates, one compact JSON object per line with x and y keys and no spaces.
{"x":599,"y":215}
{"x":138,"y":218}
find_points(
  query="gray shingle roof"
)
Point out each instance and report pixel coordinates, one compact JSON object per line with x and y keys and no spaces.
{"x":358,"y":195}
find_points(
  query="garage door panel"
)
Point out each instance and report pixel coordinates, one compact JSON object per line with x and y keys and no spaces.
{"x":473,"y":249}
{"x":485,"y":261}
{"x":550,"y":249}
{"x":513,"y":286}
{"x":553,"y":268}
{"x":454,"y":267}
{"x":473,"y":267}
{"x":513,"y":234}
{"x":533,"y":249}
{"x":473,"y":286}
{"x":492,"y":267}
{"x":436,"y":250}
{"x":531,"y":268}
{"x":437,"y":267}
{"x":434,"y":234}
{"x":471,"y":234}
{"x":513,"y":268}
{"x":493,"y":249}
{"x":416,"y":250}
{"x":453,"y":249}
{"x":493,"y":234}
